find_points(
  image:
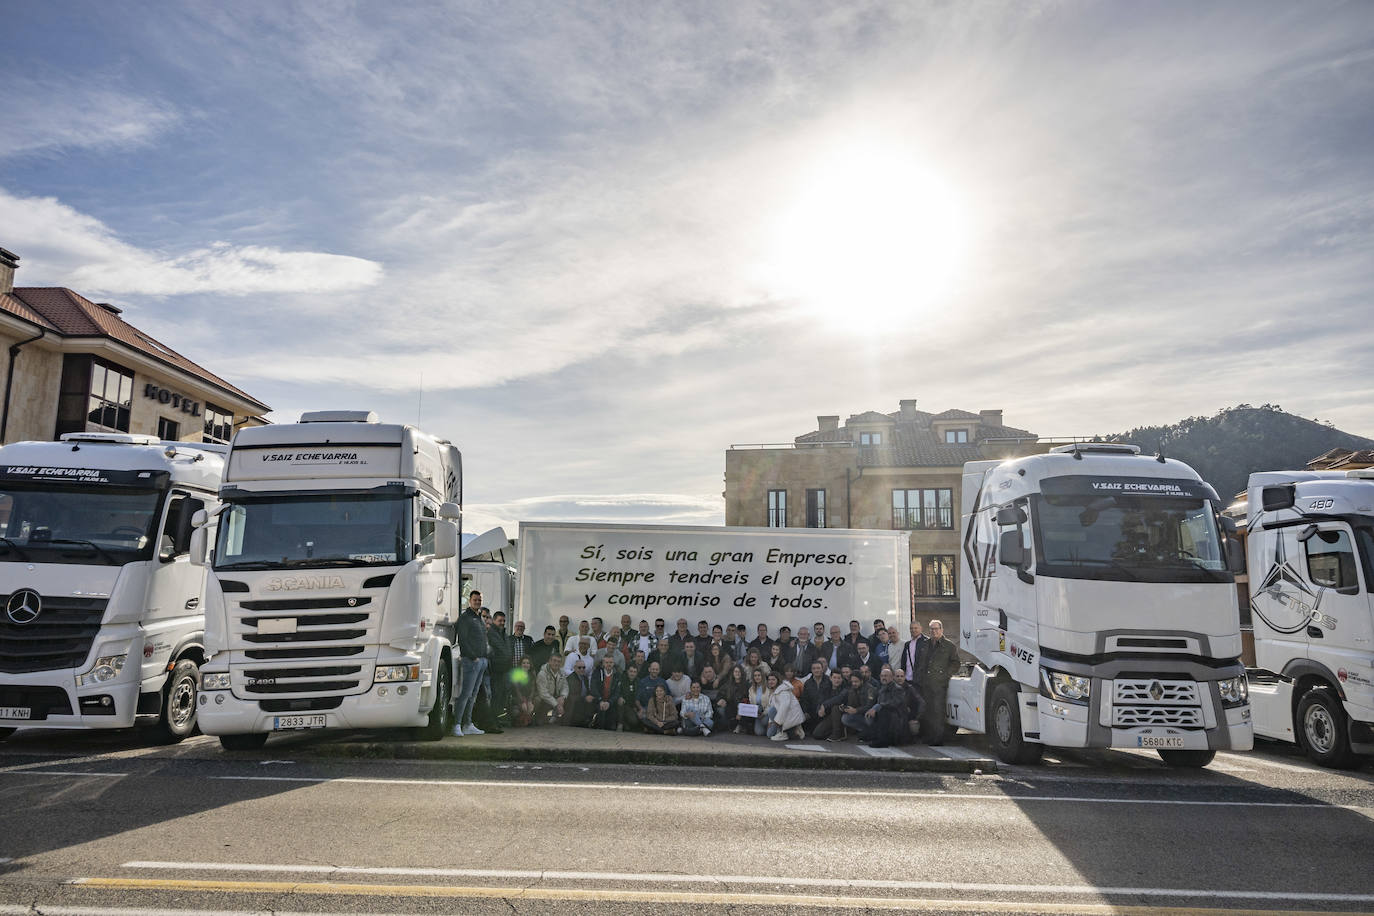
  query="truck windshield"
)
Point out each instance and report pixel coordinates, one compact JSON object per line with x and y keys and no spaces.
{"x":315,"y":530}
{"x":1128,"y":538}
{"x":48,"y":523}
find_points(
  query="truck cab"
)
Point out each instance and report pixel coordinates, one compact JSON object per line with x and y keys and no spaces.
{"x":101,"y":623}
{"x":1098,"y":599}
{"x":1310,"y":549}
{"x":334,"y":580}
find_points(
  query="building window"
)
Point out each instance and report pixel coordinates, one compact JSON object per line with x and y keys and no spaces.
{"x":956,"y":436}
{"x":219,"y":424}
{"x":815,"y":508}
{"x":870,"y":438}
{"x":777,"y":508}
{"x":168,"y":430}
{"x":932,"y":577}
{"x":94,"y":395}
{"x":923,"y":509}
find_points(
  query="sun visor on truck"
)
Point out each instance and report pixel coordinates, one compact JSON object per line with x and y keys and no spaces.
{"x":1087,"y":485}
{"x":83,"y":476}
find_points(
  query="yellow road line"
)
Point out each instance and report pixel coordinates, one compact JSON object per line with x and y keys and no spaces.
{"x":678,"y":897}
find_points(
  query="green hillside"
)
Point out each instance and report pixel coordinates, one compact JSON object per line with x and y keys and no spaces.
{"x":1227,"y":447}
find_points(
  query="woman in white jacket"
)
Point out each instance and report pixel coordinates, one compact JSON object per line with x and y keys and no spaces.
{"x":784,"y":712}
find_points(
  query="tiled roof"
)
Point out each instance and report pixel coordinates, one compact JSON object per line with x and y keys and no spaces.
{"x":869,"y":416}
{"x":1342,"y":458}
{"x":69,"y":314}
{"x":914,"y":442}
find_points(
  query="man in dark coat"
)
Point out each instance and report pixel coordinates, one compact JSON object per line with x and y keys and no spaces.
{"x":608,"y":694}
{"x":499,"y":666}
{"x":941,"y":664}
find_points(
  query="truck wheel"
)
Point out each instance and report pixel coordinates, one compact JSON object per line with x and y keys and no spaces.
{"x":1321,"y":729}
{"x":250,"y":742}
{"x":1004,"y":728}
{"x":440,"y":715}
{"x":1189,"y":759}
{"x":178,"y":718}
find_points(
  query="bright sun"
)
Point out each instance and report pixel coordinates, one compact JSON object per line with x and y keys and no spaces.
{"x":871,"y":240}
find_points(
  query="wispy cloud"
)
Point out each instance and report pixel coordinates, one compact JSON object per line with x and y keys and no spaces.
{"x":62,"y":114}
{"x":64,"y":247}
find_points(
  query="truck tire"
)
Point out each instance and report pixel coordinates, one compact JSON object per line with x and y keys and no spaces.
{"x":177,"y":720}
{"x":1322,"y":730}
{"x":1187,"y":759}
{"x":441,"y":715}
{"x":249,"y":742}
{"x":1004,"y":728}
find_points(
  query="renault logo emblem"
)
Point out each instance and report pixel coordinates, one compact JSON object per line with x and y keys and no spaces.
{"x":24,"y":606}
{"x":1157,"y":691}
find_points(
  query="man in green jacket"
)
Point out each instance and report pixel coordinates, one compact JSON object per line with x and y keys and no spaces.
{"x":941,"y":664}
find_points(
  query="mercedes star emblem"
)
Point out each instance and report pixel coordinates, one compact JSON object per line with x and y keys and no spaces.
{"x":24,"y":606}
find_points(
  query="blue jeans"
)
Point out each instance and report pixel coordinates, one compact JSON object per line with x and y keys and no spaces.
{"x":764,"y":724}
{"x":472,"y":670}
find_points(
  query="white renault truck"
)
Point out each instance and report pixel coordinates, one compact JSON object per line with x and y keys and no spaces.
{"x":102,"y":624}
{"x":334,"y":580}
{"x":1310,"y":547}
{"x":1098,"y":597}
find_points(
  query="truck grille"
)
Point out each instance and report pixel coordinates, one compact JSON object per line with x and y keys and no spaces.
{"x":1181,"y":716}
{"x":314,"y":661}
{"x":1156,"y":701}
{"x":59,"y":637}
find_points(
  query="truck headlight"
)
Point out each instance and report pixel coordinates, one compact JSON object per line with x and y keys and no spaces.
{"x":1235,"y":691}
{"x":217,"y":681}
{"x":1071,"y":688}
{"x":386,"y":674}
{"x":106,"y":668}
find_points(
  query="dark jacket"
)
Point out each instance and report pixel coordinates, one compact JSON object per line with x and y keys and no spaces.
{"x":498,"y":649}
{"x":472,"y":634}
{"x":942,"y":663}
{"x":764,"y":646}
{"x":862,"y":698}
{"x":846,"y":652}
{"x":540,"y":652}
{"x":669,"y":659}
{"x":831,"y":697}
{"x":645,"y":690}
{"x":599,"y":684}
{"x":799,"y":657}
{"x":892,"y":696}
{"x":527,"y":644}
{"x":811,"y":695}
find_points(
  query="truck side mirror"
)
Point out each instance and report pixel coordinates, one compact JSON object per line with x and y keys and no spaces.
{"x":451,"y":511}
{"x":1011,"y":515}
{"x":445,"y":540}
{"x":1229,"y":526}
{"x":1009,"y":549}
{"x":185,"y":525}
{"x":1275,"y":498}
{"x":197,"y":541}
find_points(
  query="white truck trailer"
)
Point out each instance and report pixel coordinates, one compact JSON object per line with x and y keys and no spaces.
{"x":792,"y":576}
{"x":335,"y":579}
{"x":1098,"y":598}
{"x":1310,"y":547}
{"x":102,"y":624}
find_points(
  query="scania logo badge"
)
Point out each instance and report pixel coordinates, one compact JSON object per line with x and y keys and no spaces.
{"x":24,"y":606}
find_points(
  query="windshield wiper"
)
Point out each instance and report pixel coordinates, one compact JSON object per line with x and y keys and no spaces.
{"x":84,"y":543}
{"x":250,"y":564}
{"x":15,"y":547}
{"x":326,"y":561}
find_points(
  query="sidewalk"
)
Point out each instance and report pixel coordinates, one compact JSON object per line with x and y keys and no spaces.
{"x":557,"y":744}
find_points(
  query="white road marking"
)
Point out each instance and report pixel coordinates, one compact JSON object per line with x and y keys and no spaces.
{"x":1257,"y":760}
{"x":884,"y":751}
{"x":813,"y":748}
{"x":784,"y":880}
{"x":19,"y":772}
{"x":48,"y":909}
{"x":932,"y":795}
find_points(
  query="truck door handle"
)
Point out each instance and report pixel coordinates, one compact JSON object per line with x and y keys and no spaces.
{"x":1314,"y":632}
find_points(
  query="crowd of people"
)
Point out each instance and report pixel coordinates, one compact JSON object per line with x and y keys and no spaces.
{"x":882,"y":688}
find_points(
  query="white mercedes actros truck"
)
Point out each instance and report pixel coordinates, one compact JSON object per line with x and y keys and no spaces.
{"x":334,"y":580}
{"x":1098,"y":597}
{"x":1310,"y":545}
{"x":102,"y":624}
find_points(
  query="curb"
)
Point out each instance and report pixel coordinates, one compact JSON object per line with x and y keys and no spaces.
{"x":796,"y":761}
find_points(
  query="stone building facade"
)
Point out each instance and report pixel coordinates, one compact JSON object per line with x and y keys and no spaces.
{"x":73,"y":365}
{"x":900,"y":470}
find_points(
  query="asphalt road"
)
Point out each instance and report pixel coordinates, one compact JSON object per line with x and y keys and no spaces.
{"x":104,"y":825}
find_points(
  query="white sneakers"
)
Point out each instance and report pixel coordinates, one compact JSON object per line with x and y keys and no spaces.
{"x":780,"y":736}
{"x":457,"y":731}
{"x":706,"y":733}
{"x":473,"y":730}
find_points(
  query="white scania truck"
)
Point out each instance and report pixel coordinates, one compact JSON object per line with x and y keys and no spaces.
{"x":335,"y":578}
{"x":1098,"y":598}
{"x":1310,"y":540}
{"x":100,"y":608}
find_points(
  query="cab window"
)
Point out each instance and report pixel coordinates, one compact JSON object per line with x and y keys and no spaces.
{"x":429,"y":514}
{"x":1331,"y":560}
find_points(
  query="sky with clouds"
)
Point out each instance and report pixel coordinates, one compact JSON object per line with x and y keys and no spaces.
{"x":597,"y":243}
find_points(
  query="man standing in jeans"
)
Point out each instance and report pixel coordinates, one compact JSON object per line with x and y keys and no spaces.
{"x":472,"y":654}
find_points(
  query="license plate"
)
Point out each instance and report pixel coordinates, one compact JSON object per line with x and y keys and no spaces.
{"x":15,"y":712}
{"x":286,"y":723}
{"x":1145,"y":741}
{"x":276,"y":625}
